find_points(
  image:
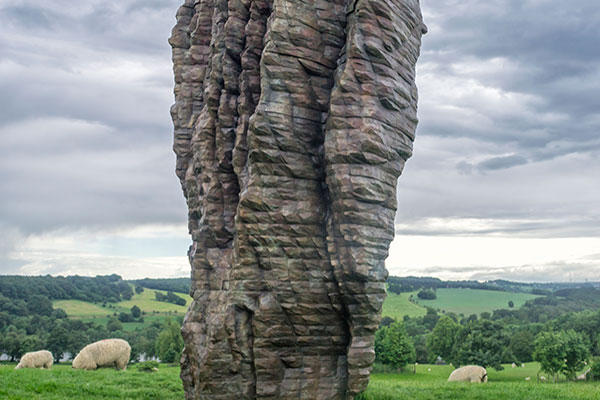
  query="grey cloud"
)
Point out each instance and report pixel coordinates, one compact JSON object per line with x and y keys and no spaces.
{"x":547,"y":50}
{"x":27,"y":17}
{"x":502,"y":162}
{"x":556,"y":271}
{"x":85,"y":130}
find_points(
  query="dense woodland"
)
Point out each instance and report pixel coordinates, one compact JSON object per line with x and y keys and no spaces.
{"x":177,"y":285}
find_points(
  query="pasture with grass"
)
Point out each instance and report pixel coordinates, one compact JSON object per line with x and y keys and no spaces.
{"x":100,"y":313}
{"x":473,"y":301}
{"x":62,"y":382}
{"x":398,"y":305}
{"x":428,"y":383}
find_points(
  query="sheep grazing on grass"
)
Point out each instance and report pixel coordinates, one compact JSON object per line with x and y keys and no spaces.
{"x":36,"y":359}
{"x":469,"y":373}
{"x":105,"y":353}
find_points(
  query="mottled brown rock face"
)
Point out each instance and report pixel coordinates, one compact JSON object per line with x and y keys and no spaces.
{"x":293,"y":120}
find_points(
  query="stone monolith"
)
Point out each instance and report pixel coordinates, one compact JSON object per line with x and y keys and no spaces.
{"x":293,"y":120}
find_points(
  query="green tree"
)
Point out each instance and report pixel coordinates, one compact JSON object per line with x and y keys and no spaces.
{"x":427,"y":294}
{"x":139,"y":289}
{"x":41,"y":305}
{"x":421,"y":352}
{"x":480,"y":342}
{"x":576,"y":353}
{"x":522,"y":345}
{"x":441,"y":340}
{"x":135,"y":311}
{"x":511,"y":304}
{"x":169,"y":343}
{"x":77,"y":341}
{"x":125,"y":317}
{"x":114,"y":325}
{"x":31,"y":343}
{"x":396,"y":347}
{"x":12,"y":343}
{"x":125,"y":290}
{"x":430,"y":318}
{"x":550,"y":352}
{"x":595,"y":371}
{"x":57,"y":342}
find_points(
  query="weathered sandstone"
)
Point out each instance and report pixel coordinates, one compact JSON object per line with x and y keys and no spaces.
{"x":293,"y":121}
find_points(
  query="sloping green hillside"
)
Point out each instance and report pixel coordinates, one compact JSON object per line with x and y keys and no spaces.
{"x":100,"y":312}
{"x":459,"y":301}
{"x":473,"y":301}
{"x":398,"y":305}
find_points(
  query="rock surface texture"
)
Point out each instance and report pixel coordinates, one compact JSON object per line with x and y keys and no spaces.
{"x":293,"y":120}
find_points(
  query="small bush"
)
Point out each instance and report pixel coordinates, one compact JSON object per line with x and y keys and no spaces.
{"x":594,"y":373}
{"x":148,"y":366}
{"x":427,"y":294}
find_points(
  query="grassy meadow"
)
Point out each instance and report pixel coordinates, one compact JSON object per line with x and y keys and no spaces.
{"x":398,"y":305}
{"x":62,"y":382}
{"x":473,"y":301}
{"x":428,"y":383}
{"x":146,"y":301}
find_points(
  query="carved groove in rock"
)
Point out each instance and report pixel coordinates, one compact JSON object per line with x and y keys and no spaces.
{"x":293,"y":121}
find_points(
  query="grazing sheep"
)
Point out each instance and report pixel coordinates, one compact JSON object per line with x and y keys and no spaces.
{"x":543,"y":378}
{"x":104,"y":353}
{"x":36,"y":359}
{"x":469,"y":373}
{"x":514,"y":365}
{"x":528,"y":378}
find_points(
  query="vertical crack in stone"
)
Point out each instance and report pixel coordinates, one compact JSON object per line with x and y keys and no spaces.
{"x":291,"y":128}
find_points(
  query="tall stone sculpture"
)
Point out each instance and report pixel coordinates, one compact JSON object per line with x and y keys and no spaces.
{"x":293,"y":120}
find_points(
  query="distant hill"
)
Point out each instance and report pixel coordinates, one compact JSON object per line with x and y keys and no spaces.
{"x":533,"y":302}
{"x":110,"y":288}
{"x":406,"y":284}
{"x":179,"y":285}
{"x":453,"y":300}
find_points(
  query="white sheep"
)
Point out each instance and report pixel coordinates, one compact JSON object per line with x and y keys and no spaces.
{"x":104,"y":353}
{"x":36,"y":359}
{"x":469,"y":373}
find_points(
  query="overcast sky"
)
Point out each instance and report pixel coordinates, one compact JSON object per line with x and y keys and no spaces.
{"x":504,"y":181}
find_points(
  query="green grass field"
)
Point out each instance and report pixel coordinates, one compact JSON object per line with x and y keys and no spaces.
{"x":428,"y":383}
{"x":473,"y":301}
{"x":155,"y":310}
{"x":397,"y":306}
{"x":62,"y":382}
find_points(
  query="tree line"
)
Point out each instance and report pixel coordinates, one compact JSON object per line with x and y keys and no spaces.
{"x":102,"y":288}
{"x":47,"y":328}
{"x":560,"y":331}
{"x":29,"y":322}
